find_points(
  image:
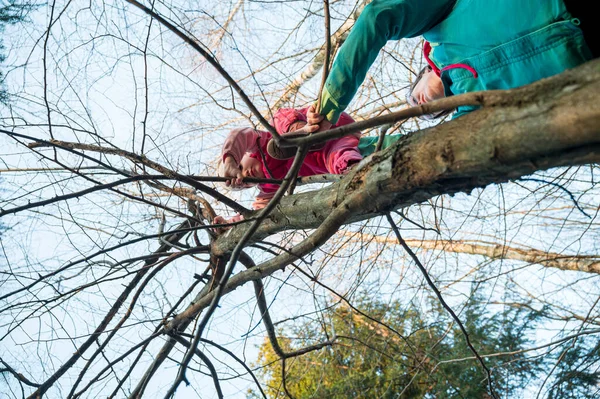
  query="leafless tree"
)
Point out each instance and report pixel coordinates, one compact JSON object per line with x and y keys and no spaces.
{"x":116,"y":283}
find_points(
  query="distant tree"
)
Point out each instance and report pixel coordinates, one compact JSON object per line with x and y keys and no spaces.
{"x":425,"y":360}
{"x":11,"y":12}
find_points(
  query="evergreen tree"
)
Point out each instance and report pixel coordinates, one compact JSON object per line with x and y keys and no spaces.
{"x":11,"y":12}
{"x":371,"y":361}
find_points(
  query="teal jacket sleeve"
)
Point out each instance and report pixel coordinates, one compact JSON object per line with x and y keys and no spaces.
{"x":380,"y":21}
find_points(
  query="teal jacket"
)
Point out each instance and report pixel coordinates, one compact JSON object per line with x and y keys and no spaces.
{"x":508,"y":43}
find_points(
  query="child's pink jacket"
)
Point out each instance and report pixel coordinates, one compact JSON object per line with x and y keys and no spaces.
{"x":333,"y":158}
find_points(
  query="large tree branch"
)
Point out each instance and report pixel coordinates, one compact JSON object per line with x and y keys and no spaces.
{"x":554,"y":122}
{"x":583,"y":263}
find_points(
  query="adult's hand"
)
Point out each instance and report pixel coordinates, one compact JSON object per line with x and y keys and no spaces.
{"x":314,"y":119}
{"x":301,"y":127}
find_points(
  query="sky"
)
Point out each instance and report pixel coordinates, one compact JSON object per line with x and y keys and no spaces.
{"x":111,"y":81}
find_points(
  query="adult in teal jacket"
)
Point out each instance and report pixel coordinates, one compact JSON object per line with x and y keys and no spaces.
{"x":475,"y":45}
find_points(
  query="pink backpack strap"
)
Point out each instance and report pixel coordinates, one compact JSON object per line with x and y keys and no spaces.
{"x":438,"y":71}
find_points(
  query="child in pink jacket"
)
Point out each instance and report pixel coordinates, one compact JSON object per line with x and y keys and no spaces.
{"x":244,"y":154}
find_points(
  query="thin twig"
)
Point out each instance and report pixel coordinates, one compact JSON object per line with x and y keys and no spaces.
{"x":302,"y":151}
{"x":118,"y":303}
{"x":206,"y":360}
{"x":327,"y":51}
{"x":127,"y":195}
{"x":141,"y":159}
{"x":211,"y":61}
{"x":158,"y":329}
{"x":442,"y":301}
{"x":487,"y":98}
{"x":222,"y":348}
{"x":564,"y":353}
{"x":562,"y":188}
{"x":17,"y":375}
{"x":130,"y":308}
{"x":342,"y":297}
{"x":399,"y":212}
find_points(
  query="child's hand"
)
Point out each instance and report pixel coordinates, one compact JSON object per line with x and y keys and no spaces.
{"x":232,"y":169}
{"x":221,"y":220}
{"x":315,"y":121}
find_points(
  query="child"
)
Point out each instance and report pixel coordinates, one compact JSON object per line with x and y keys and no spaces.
{"x":245,"y":154}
